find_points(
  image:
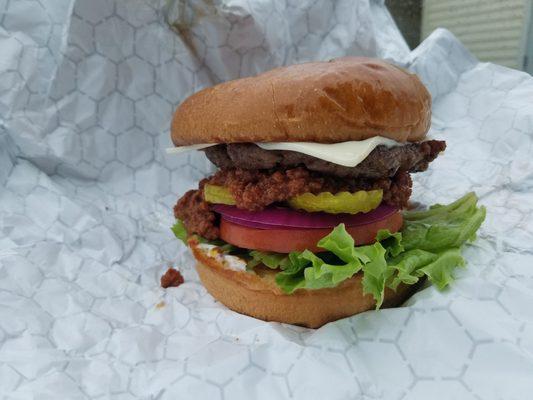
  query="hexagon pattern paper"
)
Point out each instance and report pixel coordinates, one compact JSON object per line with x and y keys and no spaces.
{"x":87,"y":90}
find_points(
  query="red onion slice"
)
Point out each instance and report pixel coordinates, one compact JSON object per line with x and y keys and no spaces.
{"x":280,"y":217}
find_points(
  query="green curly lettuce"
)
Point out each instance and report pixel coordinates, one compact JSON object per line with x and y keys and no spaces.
{"x":443,"y":227}
{"x":179,"y":230}
{"x":268,"y":259}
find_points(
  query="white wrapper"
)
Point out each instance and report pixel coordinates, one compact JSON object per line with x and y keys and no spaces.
{"x":87,"y":90}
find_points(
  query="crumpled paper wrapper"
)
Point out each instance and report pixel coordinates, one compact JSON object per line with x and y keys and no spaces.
{"x":87,"y":91}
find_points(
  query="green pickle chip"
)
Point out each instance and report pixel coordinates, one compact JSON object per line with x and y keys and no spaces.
{"x":343,"y":202}
{"x":218,"y":195}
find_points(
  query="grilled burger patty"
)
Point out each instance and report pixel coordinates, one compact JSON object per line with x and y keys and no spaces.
{"x":382,"y":162}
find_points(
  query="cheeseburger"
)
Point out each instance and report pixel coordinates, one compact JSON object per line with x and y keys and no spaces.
{"x":306,"y":219}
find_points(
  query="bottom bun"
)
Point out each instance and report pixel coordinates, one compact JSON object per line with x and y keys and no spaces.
{"x":257,"y":295}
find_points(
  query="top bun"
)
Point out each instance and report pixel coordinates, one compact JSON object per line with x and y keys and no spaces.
{"x":351,"y":98}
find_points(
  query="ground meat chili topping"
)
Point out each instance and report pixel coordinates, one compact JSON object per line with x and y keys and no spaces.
{"x":255,"y":189}
{"x":171,"y":278}
{"x":195,"y":214}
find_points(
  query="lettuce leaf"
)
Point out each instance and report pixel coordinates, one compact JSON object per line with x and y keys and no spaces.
{"x":428,"y":246}
{"x":321,"y":274}
{"x":293,"y":276}
{"x":269,"y":259}
{"x":376,"y":271}
{"x":443,"y":227}
{"x":340,"y":243}
{"x":311,"y":271}
{"x":407,"y":267}
{"x":391,"y":241}
{"x":440,"y":270}
{"x":179,"y":231}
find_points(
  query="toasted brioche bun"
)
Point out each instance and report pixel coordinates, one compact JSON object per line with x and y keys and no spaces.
{"x":352,"y":98}
{"x":257,"y":295}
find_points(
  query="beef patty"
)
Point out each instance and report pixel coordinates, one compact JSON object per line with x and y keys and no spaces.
{"x":382,"y":162}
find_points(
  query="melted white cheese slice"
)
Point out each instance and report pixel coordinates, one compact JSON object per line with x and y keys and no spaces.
{"x":185,"y":149}
{"x":348,"y":154}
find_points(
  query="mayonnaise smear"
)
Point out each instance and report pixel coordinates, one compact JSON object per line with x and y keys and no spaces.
{"x":230,"y":262}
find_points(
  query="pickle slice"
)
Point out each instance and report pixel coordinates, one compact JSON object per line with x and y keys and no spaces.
{"x":218,"y":195}
{"x":342,"y":202}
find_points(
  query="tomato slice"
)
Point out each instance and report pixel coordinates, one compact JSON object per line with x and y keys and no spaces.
{"x":287,"y":240}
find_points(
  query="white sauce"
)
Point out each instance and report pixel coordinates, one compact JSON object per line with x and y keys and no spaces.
{"x":348,"y":154}
{"x":231,"y":262}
